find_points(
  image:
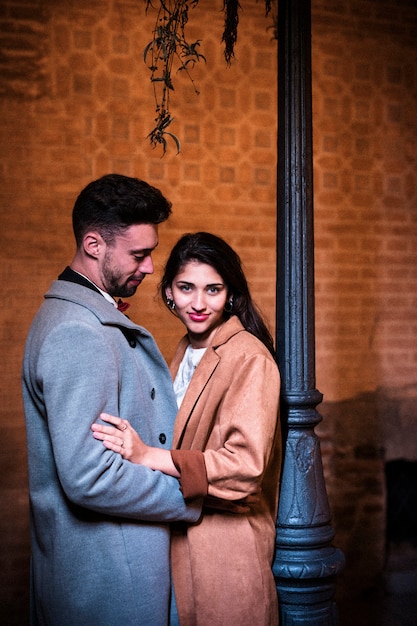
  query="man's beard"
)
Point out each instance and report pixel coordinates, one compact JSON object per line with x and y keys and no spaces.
{"x":113,"y":287}
{"x":121,"y":291}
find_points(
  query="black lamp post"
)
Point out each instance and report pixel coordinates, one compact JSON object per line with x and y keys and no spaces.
{"x":306,"y":563}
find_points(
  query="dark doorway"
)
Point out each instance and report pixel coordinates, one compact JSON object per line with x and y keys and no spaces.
{"x":401,"y":483}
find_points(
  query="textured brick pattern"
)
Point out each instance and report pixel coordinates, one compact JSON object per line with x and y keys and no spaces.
{"x":76,"y":102}
{"x":365,"y":132}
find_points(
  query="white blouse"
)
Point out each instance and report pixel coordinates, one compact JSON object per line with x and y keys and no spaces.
{"x":190,"y":360}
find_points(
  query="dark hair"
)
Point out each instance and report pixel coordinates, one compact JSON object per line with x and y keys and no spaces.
{"x":113,"y":203}
{"x":214,"y":251}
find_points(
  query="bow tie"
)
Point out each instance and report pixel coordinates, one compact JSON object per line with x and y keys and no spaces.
{"x":122,"y":306}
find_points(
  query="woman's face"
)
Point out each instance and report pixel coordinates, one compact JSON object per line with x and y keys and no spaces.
{"x":200,"y":295}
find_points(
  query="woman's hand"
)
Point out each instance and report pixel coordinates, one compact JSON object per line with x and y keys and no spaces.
{"x":124,"y":439}
{"x":121,"y":438}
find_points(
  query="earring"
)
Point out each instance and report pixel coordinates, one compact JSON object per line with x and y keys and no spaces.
{"x":171,"y":304}
{"x":228,"y":307}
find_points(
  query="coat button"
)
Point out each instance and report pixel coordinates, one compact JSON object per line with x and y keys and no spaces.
{"x":162,"y":438}
{"x":153,"y":393}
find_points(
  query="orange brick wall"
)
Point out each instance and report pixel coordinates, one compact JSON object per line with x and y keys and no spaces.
{"x":365,"y":162}
{"x":76,"y":102}
{"x":365,"y":137}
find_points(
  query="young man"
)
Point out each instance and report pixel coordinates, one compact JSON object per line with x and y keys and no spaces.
{"x":99,"y":524}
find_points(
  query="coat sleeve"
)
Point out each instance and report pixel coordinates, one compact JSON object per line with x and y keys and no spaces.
{"x":246,"y":423}
{"x":79,"y":380}
{"x":193,"y":476}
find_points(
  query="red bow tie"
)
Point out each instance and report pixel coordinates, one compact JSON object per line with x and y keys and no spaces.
{"x":122,"y":306}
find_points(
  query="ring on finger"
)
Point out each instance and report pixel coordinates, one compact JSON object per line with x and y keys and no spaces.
{"x":123,"y":426}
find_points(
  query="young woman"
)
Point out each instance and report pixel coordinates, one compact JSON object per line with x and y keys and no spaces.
{"x":226,"y":446}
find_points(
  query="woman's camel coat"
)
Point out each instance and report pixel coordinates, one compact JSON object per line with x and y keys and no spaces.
{"x":222,"y":566}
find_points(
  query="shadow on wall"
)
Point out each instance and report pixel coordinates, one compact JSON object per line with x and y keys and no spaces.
{"x":14,"y":530}
{"x":372,"y":459}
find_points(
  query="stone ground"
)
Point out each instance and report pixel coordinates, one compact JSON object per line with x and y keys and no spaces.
{"x":394,"y":601}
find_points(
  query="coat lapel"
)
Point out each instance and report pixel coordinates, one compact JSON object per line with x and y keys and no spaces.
{"x":188,"y":419}
{"x":184,"y":421}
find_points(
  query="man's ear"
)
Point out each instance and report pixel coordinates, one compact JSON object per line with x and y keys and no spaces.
{"x":93,"y":244}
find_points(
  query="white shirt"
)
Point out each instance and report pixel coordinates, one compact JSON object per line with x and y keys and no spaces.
{"x":190,"y":360}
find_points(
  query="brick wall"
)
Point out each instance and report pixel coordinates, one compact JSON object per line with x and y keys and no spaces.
{"x":365,"y":132}
{"x":76,"y":102}
{"x":365,"y":91}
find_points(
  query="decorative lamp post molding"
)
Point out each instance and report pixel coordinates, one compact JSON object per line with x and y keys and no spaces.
{"x":306,"y":563}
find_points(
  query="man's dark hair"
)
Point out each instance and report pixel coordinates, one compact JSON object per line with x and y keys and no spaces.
{"x":113,"y":203}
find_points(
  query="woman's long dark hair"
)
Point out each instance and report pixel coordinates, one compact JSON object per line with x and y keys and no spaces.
{"x":214,"y":251}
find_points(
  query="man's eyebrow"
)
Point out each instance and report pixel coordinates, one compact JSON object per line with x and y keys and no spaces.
{"x":143,"y":250}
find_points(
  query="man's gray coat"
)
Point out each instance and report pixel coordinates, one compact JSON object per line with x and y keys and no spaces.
{"x":99,"y":524}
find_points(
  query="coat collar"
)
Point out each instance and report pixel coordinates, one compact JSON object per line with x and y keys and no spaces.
{"x":72,"y":276}
{"x":203,"y":373}
{"x":226,"y":331}
{"x":93,"y":301}
{"x":223,"y":334}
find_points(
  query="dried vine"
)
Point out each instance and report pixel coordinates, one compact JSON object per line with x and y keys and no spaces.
{"x":169,"y":44}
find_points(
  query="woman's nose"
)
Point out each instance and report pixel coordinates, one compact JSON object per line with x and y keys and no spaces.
{"x":199,"y":302}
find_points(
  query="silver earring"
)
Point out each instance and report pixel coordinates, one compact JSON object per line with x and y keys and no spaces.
{"x":171,"y":304}
{"x":228,"y":307}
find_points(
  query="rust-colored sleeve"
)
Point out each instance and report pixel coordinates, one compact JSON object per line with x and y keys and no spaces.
{"x":191,"y":466}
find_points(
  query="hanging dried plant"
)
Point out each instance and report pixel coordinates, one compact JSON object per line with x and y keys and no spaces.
{"x":169,"y":46}
{"x":231,"y":22}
